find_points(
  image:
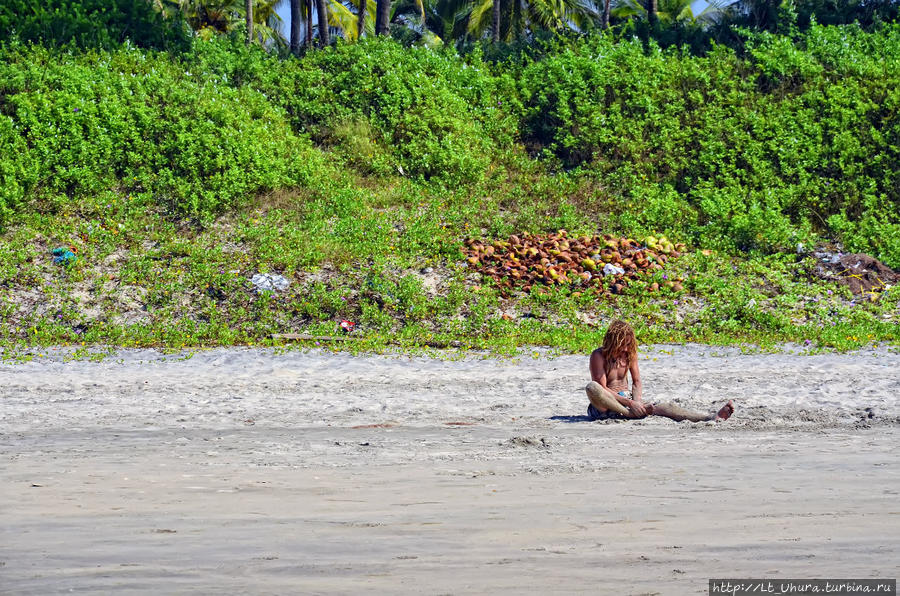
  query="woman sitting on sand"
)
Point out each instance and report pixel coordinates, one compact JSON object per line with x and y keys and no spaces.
{"x":608,"y":391}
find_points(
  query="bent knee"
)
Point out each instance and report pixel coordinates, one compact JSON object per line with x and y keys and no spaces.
{"x":593,"y":388}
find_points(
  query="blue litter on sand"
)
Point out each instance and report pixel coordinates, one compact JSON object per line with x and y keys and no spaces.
{"x":63,"y":256}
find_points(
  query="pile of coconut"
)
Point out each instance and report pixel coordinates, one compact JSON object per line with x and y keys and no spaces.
{"x":592,"y":263}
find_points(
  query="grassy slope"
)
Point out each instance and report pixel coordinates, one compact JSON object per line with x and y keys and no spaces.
{"x":362,"y":203}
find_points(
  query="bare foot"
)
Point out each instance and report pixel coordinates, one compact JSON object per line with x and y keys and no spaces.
{"x":725,"y":412}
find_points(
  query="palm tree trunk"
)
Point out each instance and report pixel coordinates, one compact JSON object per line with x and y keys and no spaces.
{"x":382,"y":17}
{"x":652,"y":12}
{"x":248,"y":6}
{"x":517,"y":18}
{"x":606,"y":14}
{"x":495,"y":31}
{"x":309,"y":8}
{"x":361,"y":19}
{"x":296,"y":17}
{"x":323,"y":23}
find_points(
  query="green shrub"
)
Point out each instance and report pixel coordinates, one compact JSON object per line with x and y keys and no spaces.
{"x":100,"y":24}
{"x":438,"y":116}
{"x":751,"y":153}
{"x":798,"y":136}
{"x":140,"y":123}
{"x":18,"y":172}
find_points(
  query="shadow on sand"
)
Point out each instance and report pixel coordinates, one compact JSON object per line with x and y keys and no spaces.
{"x":571,"y":419}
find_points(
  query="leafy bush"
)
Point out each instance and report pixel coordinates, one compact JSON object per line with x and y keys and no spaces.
{"x":754,"y":154}
{"x":439,"y":116}
{"x":758,"y":151}
{"x":100,"y":24}
{"x":17,"y":169}
{"x":75,"y":125}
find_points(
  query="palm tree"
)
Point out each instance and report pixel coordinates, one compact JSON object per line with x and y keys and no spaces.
{"x":323,"y":23}
{"x":211,"y":17}
{"x":361,"y":19}
{"x":652,"y":12}
{"x":267,"y":22}
{"x":295,"y":26}
{"x":670,"y":12}
{"x":495,"y":27}
{"x":757,"y":14}
{"x":433,"y":20}
{"x":382,"y":17}
{"x":204,"y":17}
{"x":248,"y":9}
{"x":352,"y":26}
{"x":558,"y":15}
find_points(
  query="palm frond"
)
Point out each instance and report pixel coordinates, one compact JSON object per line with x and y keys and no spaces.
{"x":341,"y":17}
{"x":480,"y":17}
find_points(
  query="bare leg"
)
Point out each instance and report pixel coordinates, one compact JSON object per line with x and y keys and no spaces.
{"x":678,"y":413}
{"x":603,"y":399}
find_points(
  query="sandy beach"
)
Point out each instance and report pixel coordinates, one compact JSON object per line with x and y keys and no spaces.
{"x":249,"y":471}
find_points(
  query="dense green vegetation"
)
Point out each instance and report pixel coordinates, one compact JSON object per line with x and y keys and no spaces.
{"x":101,"y":24}
{"x":751,"y":153}
{"x":351,"y":170}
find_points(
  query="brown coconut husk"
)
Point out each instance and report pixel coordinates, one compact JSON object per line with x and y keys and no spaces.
{"x":525,"y":260}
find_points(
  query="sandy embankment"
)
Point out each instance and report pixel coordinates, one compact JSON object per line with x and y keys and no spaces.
{"x":243,"y":471}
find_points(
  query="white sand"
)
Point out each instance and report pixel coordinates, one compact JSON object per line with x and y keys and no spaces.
{"x":246,"y":471}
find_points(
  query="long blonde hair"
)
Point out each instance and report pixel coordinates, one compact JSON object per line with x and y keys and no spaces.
{"x":618,"y":343}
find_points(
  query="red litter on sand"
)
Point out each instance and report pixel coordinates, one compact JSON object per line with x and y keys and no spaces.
{"x":347,"y":326}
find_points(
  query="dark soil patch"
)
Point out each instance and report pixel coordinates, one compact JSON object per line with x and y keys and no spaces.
{"x":862,"y":273}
